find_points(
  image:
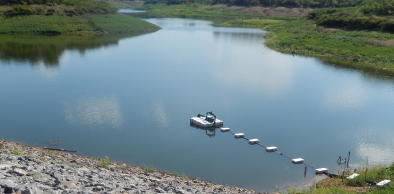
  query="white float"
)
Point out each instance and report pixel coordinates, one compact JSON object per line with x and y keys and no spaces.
{"x":239,"y":135}
{"x":321,"y":170}
{"x":253,"y":141}
{"x":297,"y":160}
{"x":353,"y":176}
{"x":271,"y":149}
{"x":383,"y":183}
{"x":224,"y":129}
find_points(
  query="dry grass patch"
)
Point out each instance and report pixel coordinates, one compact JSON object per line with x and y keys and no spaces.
{"x":388,"y":43}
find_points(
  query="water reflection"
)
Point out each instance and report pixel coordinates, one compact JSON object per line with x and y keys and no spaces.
{"x":94,"y":111}
{"x":46,"y":50}
{"x":374,"y":145}
{"x":345,"y":96}
{"x":160,"y":115}
{"x":241,"y":36}
{"x":209,"y":131}
{"x":369,"y":73}
{"x":274,"y":74}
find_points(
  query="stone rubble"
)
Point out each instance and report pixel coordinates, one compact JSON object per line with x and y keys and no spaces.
{"x":37,"y":170}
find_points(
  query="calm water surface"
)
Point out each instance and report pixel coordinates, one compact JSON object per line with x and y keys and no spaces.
{"x":131,"y":98}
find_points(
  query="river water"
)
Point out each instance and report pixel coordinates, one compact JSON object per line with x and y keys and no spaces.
{"x":131,"y":97}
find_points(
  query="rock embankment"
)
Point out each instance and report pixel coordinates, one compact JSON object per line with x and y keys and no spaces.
{"x":28,"y":169}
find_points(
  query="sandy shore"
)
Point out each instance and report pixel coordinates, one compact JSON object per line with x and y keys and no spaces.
{"x":28,"y":169}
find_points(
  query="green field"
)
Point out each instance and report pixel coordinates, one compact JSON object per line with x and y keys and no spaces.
{"x":81,"y":24}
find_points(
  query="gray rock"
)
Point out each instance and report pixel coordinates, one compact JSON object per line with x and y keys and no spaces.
{"x":19,"y":172}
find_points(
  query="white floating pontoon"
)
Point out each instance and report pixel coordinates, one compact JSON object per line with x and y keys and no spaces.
{"x":224,"y":129}
{"x":239,"y":135}
{"x":271,"y":149}
{"x":208,"y":120}
{"x":253,"y":141}
{"x":321,"y":170}
{"x":297,"y":160}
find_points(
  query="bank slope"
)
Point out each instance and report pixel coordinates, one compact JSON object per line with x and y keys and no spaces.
{"x":78,"y":24}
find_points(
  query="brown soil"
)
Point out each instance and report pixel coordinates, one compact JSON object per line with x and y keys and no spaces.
{"x":338,"y":182}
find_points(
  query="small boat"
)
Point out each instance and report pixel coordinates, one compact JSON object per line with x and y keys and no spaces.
{"x":207,"y":120}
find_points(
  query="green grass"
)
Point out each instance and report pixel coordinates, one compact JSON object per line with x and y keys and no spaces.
{"x":16,"y":152}
{"x":87,"y":23}
{"x":150,"y":169}
{"x":356,"y":185}
{"x":104,"y":162}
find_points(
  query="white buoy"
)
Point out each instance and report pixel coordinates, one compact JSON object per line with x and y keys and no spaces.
{"x":353,"y":176}
{"x":321,"y":170}
{"x":224,"y":129}
{"x":253,"y":141}
{"x":239,"y":135}
{"x":383,"y":183}
{"x":271,"y":149}
{"x":297,"y":160}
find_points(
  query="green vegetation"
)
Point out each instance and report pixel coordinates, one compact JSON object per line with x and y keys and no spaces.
{"x":360,"y":184}
{"x":312,"y":35}
{"x":365,"y":17}
{"x":44,"y":7}
{"x":104,"y":162}
{"x":150,"y":169}
{"x":369,"y":49}
{"x":16,"y":152}
{"x":87,"y":23}
{"x":67,"y":17}
{"x":271,"y":3}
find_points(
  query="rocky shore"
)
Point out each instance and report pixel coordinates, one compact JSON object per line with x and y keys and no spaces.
{"x":27,"y":169}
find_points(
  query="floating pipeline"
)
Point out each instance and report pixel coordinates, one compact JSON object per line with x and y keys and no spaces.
{"x":210,"y":123}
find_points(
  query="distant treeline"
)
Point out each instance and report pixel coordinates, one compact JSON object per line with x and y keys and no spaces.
{"x":270,"y":3}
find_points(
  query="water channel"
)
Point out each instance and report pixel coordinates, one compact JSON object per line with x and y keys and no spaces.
{"x":131,"y":97}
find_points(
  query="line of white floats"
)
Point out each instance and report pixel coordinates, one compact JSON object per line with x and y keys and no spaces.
{"x":272,"y":149}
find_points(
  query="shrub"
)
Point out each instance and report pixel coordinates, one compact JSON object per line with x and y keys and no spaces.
{"x":50,"y":11}
{"x":16,"y":152}
{"x":149,"y":168}
{"x":21,"y":10}
{"x":104,"y":162}
{"x":40,"y":10}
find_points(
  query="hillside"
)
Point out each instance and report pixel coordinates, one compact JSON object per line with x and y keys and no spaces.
{"x":67,"y":17}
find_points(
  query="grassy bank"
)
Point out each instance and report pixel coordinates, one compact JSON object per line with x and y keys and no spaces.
{"x":367,"y":48}
{"x":365,"y":182}
{"x":67,"y":17}
{"x":81,"y":24}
